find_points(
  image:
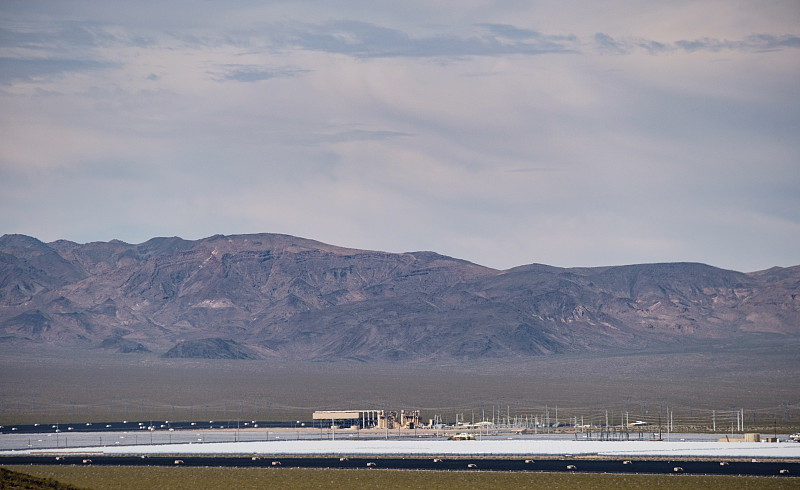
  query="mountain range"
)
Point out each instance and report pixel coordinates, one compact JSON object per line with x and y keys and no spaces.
{"x":270,"y":296}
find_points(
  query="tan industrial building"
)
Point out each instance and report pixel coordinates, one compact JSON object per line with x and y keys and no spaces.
{"x":370,"y":419}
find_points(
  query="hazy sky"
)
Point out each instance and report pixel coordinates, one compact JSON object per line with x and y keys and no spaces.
{"x":568,"y":133}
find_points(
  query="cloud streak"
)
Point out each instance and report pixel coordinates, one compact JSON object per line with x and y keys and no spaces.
{"x":753,"y":43}
{"x":27,"y":70}
{"x":365,"y":40}
{"x":252,"y":73}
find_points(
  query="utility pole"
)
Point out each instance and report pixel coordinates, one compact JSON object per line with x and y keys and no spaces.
{"x":547,"y":417}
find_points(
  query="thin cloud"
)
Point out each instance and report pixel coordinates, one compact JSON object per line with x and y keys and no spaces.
{"x":365,"y":40}
{"x":756,"y":43}
{"x":347,"y":137}
{"x":252,"y":73}
{"x":363,"y":135}
{"x":510,"y":32}
{"x":63,"y":36}
{"x":29,"y":69}
{"x":524,"y":170}
{"x":607,"y":44}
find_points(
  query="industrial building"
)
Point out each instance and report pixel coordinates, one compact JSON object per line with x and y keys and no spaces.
{"x":370,"y":419}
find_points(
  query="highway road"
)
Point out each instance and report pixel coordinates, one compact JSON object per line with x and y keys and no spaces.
{"x":703,"y":467}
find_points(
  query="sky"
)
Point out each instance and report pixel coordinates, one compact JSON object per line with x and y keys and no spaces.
{"x":569,"y":133}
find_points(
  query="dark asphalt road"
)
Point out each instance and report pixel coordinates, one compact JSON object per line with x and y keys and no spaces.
{"x":767,"y":468}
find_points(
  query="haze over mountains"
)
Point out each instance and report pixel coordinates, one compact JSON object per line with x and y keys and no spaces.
{"x":283,"y":297}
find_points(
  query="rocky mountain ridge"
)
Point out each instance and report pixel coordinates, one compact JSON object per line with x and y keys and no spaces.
{"x":278,"y":296}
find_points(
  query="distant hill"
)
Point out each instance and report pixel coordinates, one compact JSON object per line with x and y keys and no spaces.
{"x":278,"y":296}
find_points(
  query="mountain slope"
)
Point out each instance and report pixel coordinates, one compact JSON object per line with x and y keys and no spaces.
{"x":279,"y":296}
